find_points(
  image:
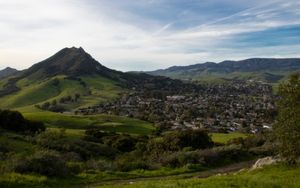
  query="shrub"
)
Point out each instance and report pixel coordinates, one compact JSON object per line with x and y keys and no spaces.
{"x":178,"y":140}
{"x":100,"y":165}
{"x":75,"y":167}
{"x":232,"y":153}
{"x":179,"y":159}
{"x":125,"y":166}
{"x":207,"y":157}
{"x":45,"y":163}
{"x":124,"y":143}
{"x":130,"y":161}
{"x":58,"y":141}
{"x":14,"y":121}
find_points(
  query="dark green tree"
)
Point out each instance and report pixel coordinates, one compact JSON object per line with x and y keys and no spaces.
{"x":287,"y":126}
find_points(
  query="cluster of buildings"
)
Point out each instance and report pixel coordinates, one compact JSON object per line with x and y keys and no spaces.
{"x":239,"y":106}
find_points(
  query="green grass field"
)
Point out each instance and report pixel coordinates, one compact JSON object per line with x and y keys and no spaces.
{"x":77,"y":124}
{"x":225,"y":137}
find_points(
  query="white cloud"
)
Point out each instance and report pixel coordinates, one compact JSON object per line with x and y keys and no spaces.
{"x":32,"y":30}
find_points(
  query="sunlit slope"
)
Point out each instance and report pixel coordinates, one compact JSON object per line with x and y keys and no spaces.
{"x":78,"y":124}
{"x":92,"y":90}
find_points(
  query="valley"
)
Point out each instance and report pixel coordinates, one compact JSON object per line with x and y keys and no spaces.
{"x":69,"y":121}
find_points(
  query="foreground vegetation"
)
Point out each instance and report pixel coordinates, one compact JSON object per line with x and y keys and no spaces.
{"x":272,"y":176}
{"x":57,"y":158}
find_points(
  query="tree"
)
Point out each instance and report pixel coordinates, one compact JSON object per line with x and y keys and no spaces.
{"x":287,"y":126}
{"x":54,"y":102}
{"x":14,"y":121}
{"x":196,"y":139}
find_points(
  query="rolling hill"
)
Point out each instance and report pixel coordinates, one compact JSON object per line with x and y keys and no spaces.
{"x":262,"y":69}
{"x":72,"y":79}
{"x":69,"y":72}
{"x":66,"y":81}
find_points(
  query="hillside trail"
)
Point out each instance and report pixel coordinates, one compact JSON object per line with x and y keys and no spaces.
{"x":200,"y":174}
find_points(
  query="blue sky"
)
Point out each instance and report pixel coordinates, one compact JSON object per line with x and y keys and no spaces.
{"x":148,"y":34}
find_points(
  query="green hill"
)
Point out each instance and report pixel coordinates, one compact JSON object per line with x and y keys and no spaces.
{"x":68,"y":74}
{"x":95,"y":90}
{"x":259,"y":69}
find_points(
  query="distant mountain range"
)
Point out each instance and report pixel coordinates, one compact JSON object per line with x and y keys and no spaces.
{"x":263,"y":69}
{"x":7,"y":72}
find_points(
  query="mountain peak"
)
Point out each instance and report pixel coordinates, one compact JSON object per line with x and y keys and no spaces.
{"x":7,"y":72}
{"x":68,"y":61}
{"x":74,"y":49}
{"x":9,"y":68}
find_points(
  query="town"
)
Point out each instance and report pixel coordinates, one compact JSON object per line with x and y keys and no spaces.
{"x":244,"y":106}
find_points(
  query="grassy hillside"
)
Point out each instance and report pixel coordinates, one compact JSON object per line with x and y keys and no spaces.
{"x":207,"y":77}
{"x":93,"y":90}
{"x":261,"y":69}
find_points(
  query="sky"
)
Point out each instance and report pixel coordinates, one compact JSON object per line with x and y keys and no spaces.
{"x":135,"y":35}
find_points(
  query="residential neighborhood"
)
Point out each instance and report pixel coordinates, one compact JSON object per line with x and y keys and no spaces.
{"x":245,"y":106}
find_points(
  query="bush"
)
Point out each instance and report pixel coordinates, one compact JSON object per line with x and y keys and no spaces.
{"x":100,"y":165}
{"x":45,"y":163}
{"x":58,"y":141}
{"x":126,"y":166}
{"x":124,"y":143}
{"x":179,"y":140}
{"x":75,"y":167}
{"x":179,"y":159}
{"x":207,"y":157}
{"x":232,"y":153}
{"x":130,"y":161}
{"x":14,"y":121}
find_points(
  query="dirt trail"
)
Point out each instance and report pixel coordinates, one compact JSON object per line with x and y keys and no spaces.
{"x":202,"y":174}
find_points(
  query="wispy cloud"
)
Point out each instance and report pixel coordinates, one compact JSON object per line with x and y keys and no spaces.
{"x":145,"y":35}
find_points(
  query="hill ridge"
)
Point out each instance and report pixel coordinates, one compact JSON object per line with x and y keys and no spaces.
{"x":269,"y":69}
{"x":8,"y":71}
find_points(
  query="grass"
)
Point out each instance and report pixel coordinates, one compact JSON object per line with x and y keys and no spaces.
{"x":16,"y":143}
{"x":225,"y":137}
{"x":34,"y":92}
{"x":30,"y":95}
{"x":271,"y":176}
{"x":84,"y":179}
{"x":76,"y":124}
